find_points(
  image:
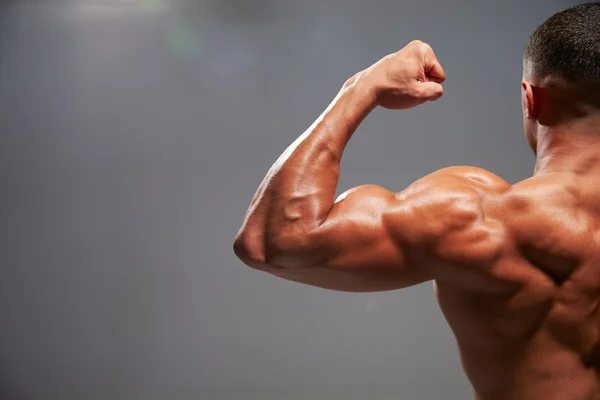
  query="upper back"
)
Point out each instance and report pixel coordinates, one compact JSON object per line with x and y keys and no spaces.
{"x":551,"y":223}
{"x":527,"y":319}
{"x":538,"y":308}
{"x":554,"y":223}
{"x":553,"y":220}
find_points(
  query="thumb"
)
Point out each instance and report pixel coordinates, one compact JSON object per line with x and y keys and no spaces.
{"x":431,"y":91}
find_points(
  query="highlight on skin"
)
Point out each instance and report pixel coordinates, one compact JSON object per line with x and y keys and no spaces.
{"x":515,"y":267}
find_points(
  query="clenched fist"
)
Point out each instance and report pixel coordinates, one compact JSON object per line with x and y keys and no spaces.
{"x":407,"y":78}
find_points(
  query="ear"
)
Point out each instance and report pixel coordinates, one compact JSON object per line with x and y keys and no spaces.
{"x":530,"y":103}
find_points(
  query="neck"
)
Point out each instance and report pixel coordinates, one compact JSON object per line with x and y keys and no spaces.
{"x":573,"y":148}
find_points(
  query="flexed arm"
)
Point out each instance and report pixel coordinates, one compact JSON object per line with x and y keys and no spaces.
{"x":364,"y":240}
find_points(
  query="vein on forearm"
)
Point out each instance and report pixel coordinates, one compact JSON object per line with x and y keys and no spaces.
{"x":299,"y":190}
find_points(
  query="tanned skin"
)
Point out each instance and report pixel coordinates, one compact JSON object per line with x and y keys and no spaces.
{"x":516,"y":269}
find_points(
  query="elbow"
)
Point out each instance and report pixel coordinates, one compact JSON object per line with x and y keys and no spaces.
{"x":278,"y":251}
{"x":247,"y":250}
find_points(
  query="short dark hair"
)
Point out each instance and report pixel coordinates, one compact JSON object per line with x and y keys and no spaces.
{"x":567,"y":46}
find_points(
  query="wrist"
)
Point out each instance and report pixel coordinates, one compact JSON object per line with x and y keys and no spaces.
{"x":363,"y":87}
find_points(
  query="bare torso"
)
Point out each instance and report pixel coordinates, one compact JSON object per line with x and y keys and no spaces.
{"x":528,"y":326}
{"x":516,"y":268}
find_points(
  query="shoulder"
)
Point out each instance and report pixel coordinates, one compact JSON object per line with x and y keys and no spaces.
{"x":467,"y":176}
{"x":453,"y":191}
{"x":448,"y":212}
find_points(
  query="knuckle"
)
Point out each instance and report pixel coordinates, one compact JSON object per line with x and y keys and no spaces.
{"x":425,"y":48}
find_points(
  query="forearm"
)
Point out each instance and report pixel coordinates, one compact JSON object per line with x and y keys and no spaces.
{"x":299,"y":190}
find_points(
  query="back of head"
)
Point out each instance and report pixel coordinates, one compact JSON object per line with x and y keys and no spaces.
{"x":566,"y":48}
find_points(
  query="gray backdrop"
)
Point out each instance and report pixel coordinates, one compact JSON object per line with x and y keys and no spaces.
{"x":133,"y":135}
